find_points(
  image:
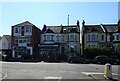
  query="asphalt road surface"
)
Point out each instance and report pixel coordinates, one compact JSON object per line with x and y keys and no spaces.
{"x":41,"y":70}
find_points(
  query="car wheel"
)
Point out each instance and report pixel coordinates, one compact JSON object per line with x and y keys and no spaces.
{"x":84,"y":62}
{"x":115,"y":62}
{"x":99,"y":62}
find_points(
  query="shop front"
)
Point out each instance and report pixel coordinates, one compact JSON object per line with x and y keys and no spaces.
{"x":19,"y":52}
{"x":49,"y":51}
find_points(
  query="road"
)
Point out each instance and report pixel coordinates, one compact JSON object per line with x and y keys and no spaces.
{"x":41,"y":70}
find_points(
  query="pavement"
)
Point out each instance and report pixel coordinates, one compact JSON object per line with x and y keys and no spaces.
{"x":102,"y":78}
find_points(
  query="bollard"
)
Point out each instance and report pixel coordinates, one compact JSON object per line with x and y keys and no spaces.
{"x":108,"y":71}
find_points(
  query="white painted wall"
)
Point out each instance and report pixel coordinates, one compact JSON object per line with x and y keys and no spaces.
{"x":4,"y":43}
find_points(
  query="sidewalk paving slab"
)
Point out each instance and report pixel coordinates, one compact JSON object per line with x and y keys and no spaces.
{"x":100,"y":77}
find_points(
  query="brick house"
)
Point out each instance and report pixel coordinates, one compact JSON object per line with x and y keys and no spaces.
{"x":25,"y":39}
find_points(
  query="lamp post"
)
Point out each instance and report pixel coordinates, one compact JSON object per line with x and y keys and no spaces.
{"x":72,"y":50}
{"x":111,"y":42}
{"x":38,"y":49}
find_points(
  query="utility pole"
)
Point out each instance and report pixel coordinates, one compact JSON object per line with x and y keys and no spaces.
{"x":83,"y":36}
{"x":68,"y":20}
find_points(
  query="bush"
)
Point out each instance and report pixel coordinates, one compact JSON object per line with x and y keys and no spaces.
{"x":118,"y":48}
{"x":93,"y":51}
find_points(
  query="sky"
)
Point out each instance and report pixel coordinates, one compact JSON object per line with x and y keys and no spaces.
{"x":56,"y":13}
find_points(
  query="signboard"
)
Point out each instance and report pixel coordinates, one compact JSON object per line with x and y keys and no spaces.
{"x":19,"y":48}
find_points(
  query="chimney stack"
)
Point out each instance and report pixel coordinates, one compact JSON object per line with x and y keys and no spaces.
{"x":78,"y":23}
{"x":83,"y":23}
{"x":119,"y":23}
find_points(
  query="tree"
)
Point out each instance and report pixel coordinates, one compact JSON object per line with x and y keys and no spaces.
{"x":118,"y":48}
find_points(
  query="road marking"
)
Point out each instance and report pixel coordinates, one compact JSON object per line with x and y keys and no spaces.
{"x":5,"y":75}
{"x":53,"y":78}
{"x":90,"y":73}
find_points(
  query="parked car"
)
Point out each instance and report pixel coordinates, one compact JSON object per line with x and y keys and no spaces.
{"x":92,"y":61}
{"x":76,"y":59}
{"x":102,"y":59}
{"x":114,"y":59}
{"x":3,"y":57}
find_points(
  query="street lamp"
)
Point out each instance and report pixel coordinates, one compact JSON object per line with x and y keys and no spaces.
{"x":38,"y":49}
{"x":72,"y":49}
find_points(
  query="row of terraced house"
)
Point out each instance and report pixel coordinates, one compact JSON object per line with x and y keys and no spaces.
{"x":27,"y":40}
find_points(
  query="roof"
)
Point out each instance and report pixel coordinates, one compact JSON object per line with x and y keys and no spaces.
{"x":93,"y":28}
{"x":49,"y":31}
{"x":110,"y":27}
{"x":73,"y":30}
{"x":26,"y":23}
{"x":8,"y":37}
{"x":55,"y":29}
{"x":60,"y":29}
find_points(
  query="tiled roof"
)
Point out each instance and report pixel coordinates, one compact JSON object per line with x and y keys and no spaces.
{"x":60,"y":29}
{"x":49,"y":31}
{"x":73,"y":30}
{"x":93,"y":28}
{"x":55,"y":29}
{"x":70,"y":29}
{"x":110,"y":27}
{"x":26,"y":23}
